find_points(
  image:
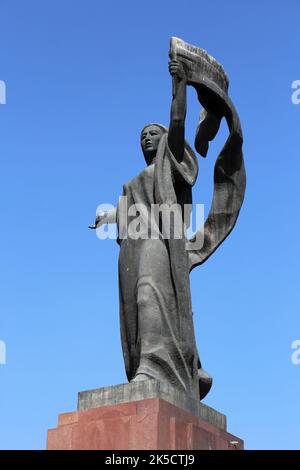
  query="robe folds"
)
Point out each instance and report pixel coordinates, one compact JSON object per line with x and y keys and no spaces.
{"x":157,"y":329}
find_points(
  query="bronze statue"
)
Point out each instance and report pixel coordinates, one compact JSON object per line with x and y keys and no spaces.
{"x":156,"y":320}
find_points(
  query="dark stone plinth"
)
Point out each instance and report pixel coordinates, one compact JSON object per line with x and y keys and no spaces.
{"x":145,"y":415}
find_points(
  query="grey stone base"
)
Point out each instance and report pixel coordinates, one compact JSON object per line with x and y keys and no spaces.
{"x":149,"y":389}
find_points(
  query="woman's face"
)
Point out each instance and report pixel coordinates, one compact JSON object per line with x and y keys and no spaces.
{"x":150,"y":139}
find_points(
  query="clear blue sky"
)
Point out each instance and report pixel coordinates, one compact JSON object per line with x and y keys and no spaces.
{"x":82,"y":79}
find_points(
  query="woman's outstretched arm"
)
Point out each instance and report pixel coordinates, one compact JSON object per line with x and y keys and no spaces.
{"x":178,"y":110}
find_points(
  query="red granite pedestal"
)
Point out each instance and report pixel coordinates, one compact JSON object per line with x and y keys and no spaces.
{"x":149,"y":424}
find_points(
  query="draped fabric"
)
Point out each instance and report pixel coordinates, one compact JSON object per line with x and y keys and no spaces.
{"x":229,"y":172}
{"x":155,"y":303}
{"x":211,"y":83}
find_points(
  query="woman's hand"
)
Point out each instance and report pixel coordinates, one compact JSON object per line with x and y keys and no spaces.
{"x":100,"y":220}
{"x":176,"y":69}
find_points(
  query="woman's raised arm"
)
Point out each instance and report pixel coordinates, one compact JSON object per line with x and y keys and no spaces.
{"x":178,"y":110}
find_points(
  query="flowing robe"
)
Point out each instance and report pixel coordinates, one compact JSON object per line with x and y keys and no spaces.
{"x":155,"y":303}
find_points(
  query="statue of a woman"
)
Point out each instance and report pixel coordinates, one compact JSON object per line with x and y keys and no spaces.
{"x":156,"y":319}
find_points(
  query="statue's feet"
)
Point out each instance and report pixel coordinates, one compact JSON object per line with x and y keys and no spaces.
{"x":205,"y":382}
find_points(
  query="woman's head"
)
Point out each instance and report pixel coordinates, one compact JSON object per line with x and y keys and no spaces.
{"x":150,"y":138}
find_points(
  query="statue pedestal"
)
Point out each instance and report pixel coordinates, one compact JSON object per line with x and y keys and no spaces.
{"x":141,"y":416}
